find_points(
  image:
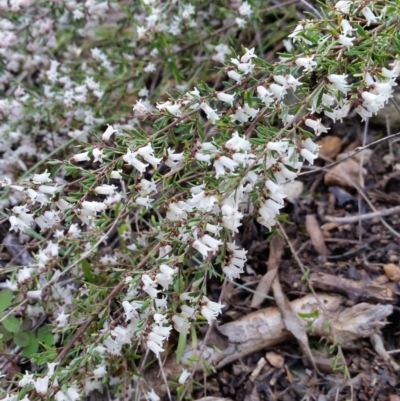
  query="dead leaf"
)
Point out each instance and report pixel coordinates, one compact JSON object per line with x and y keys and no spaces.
{"x":329,"y":146}
{"x":317,"y":238}
{"x":263,"y":287}
{"x":276,"y":360}
{"x":344,"y":174}
{"x":392,"y":271}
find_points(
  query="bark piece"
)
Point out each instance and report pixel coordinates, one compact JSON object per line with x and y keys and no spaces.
{"x":374,"y":291}
{"x":344,"y":174}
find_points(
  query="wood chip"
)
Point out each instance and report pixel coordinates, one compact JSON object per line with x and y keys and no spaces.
{"x":316,"y":235}
{"x":392,"y":271}
{"x":275,"y":359}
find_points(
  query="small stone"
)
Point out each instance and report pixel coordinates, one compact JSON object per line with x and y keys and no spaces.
{"x":392,"y":271}
{"x":393,"y":258}
{"x":276,"y":360}
{"x":343,"y":174}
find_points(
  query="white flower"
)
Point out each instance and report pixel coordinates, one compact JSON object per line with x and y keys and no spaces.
{"x":108,"y":132}
{"x":224,"y":162}
{"x":238,"y":143}
{"x":166,"y":276}
{"x":210,"y":310}
{"x":346,"y":41}
{"x":264,"y":95}
{"x":248,"y":55}
{"x":61,"y":320}
{"x":307,"y":62}
{"x":73,"y":394}
{"x":94,"y":206}
{"x":201,"y":247}
{"x":310,"y":145}
{"x":144,"y":201}
{"x":152,"y":346}
{"x":27,"y":378}
{"x":37,"y":294}
{"x":149,"y":286}
{"x":98,"y":155}
{"x":343,"y":6}
{"x":316,"y":125}
{"x":105,"y":189}
{"x":173,"y":109}
{"x":310,"y":157}
{"x":245,"y":9}
{"x":184,"y":376}
{"x":173,"y":158}
{"x":130,"y":158}
{"x":281,"y":147}
{"x":278,"y":90}
{"x":369,"y":15}
{"x":365,"y":114}
{"x":181,"y":324}
{"x":339,"y":82}
{"x":235,"y":76}
{"x":225,"y":97}
{"x":41,"y":385}
{"x":346,"y":27}
{"x":116,"y":174}
{"x":41,"y":178}
{"x":152,"y":396}
{"x":100,"y":371}
{"x":231,"y":218}
{"x":212,"y":114}
{"x":147,"y":152}
{"x":80,"y":157}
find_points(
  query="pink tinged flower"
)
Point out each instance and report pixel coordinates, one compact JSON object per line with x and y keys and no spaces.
{"x":225,"y":97}
{"x":316,"y":125}
{"x":130,"y":158}
{"x":310,"y":157}
{"x":80,"y":157}
{"x":41,"y":385}
{"x":108,"y":132}
{"x":343,"y":6}
{"x":235,"y":76}
{"x":369,"y":15}
{"x":307,"y":62}
{"x":183,"y":377}
{"x":346,"y":41}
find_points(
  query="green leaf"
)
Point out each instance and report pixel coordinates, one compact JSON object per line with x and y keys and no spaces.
{"x":181,"y":347}
{"x":5,"y":299}
{"x":32,"y":347}
{"x":87,"y":271}
{"x":306,"y":315}
{"x":11,"y":324}
{"x":21,"y":338}
{"x":45,"y":335}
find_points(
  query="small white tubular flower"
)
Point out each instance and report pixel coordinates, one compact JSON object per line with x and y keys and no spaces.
{"x":147,"y":152}
{"x":80,"y":157}
{"x":105,"y":189}
{"x":231,"y":218}
{"x":41,"y":178}
{"x":369,"y":15}
{"x":248,"y":55}
{"x":183,"y":377}
{"x":166,"y":276}
{"x":211,"y":242}
{"x":343,"y":6}
{"x":201,"y":247}
{"x":21,"y":219}
{"x":173,"y":159}
{"x":181,"y":324}
{"x":307,"y":62}
{"x":365,"y":114}
{"x":108,"y":132}
{"x":130,"y":310}
{"x":116,"y":174}
{"x":224,"y":162}
{"x":245,"y":9}
{"x":296,"y":31}
{"x":37,"y":294}
{"x":281,"y":147}
{"x":152,"y":346}
{"x":238,"y":143}
{"x":61,"y":320}
{"x":264,"y":95}
{"x":225,"y":97}
{"x":250,"y":111}
{"x":24,"y":274}
{"x":130,"y":158}
{"x":316,"y":125}
{"x":144,"y":201}
{"x":211,"y":114}
{"x":174,"y":109}
{"x":235,"y":76}
{"x":246,"y":68}
{"x":278,"y":90}
{"x":100,"y":371}
{"x":97,"y":155}
{"x":94,"y":206}
{"x":47,"y":189}
{"x":338,"y":113}
{"x":149,"y":286}
{"x":346,"y":41}
{"x":73,"y":394}
{"x":310,"y":157}
{"x":27,"y":378}
{"x":339,"y":82}
{"x":152,"y":396}
{"x":346,"y":27}
{"x":210,"y":310}
{"x":310,"y":145}
{"x":42,"y":385}
{"x":5,"y":182}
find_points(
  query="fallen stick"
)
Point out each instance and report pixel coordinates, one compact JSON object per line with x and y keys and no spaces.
{"x":365,"y":216}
